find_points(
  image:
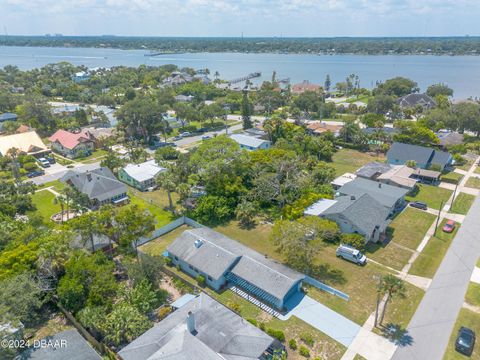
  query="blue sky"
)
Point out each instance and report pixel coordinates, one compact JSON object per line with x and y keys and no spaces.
{"x":232,"y":17}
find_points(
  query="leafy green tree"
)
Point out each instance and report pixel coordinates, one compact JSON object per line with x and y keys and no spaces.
{"x":213,"y":209}
{"x":166,"y":153}
{"x":147,"y":267}
{"x":381,"y":104}
{"x":439,"y":89}
{"x":414,"y":133}
{"x":143,"y":296}
{"x":93,"y":318}
{"x":328,"y":83}
{"x":124,"y":324}
{"x":132,"y":223}
{"x":393,"y":287}
{"x":112,"y":161}
{"x":373,"y":120}
{"x":355,"y":240}
{"x":398,"y":86}
{"x":245,"y":213}
{"x":246,"y":111}
{"x":167,"y":181}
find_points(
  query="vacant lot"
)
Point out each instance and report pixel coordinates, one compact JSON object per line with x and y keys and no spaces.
{"x":162,"y":216}
{"x":473,"y":182}
{"x":432,"y":195}
{"x":468,"y":319}
{"x":348,"y":160}
{"x":462,"y":203}
{"x":432,"y":255}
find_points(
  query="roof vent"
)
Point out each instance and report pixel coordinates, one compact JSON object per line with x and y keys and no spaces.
{"x":352,"y":197}
{"x":198,"y":243}
{"x":379,"y":184}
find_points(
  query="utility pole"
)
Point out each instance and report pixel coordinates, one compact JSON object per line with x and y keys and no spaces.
{"x":438,"y":218}
{"x":226,"y":108}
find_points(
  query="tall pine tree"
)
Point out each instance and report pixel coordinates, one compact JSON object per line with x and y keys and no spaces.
{"x":246,"y":111}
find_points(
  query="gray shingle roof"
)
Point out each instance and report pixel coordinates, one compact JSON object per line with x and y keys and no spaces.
{"x":406,"y":152}
{"x":247,"y":140}
{"x":99,"y":184}
{"x":364,"y":212}
{"x":412,"y":100}
{"x":219,"y":253}
{"x":220,"y":334}
{"x":75,"y":348}
{"x":387,"y":195}
{"x":373,"y":168}
{"x":440,"y":157}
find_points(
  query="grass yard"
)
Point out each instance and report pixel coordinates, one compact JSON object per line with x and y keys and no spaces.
{"x":477,"y":169}
{"x":57,"y":185}
{"x":473,"y":182}
{"x":466,"y":166}
{"x":158,"y":197}
{"x":468,"y":319}
{"x":462,"y":203}
{"x":432,"y":255}
{"x":473,"y":294}
{"x":92,"y":158}
{"x":162,"y":216}
{"x":43,"y":201}
{"x":432,"y":195}
{"x":348,"y":160}
{"x":159,"y":245}
{"x":410,"y":226}
{"x":389,"y":255}
{"x":451,"y":177}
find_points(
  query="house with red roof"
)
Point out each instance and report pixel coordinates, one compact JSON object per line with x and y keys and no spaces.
{"x":72,"y":145}
{"x":306,"y":85}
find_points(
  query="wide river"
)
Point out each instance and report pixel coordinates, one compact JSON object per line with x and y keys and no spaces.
{"x":462,"y":73}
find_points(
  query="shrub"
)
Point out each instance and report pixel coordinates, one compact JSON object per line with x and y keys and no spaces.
{"x":30,"y":166}
{"x":163,"y":312}
{"x":234,"y":306}
{"x":355,"y":240}
{"x":304,"y":351}
{"x":168,"y":261}
{"x":459,"y":159}
{"x":262,"y":326}
{"x":307,"y":339}
{"x":189,"y":128}
{"x":253,"y":322}
{"x":292,"y":344}
{"x":277,"y":334}
{"x":201,"y":280}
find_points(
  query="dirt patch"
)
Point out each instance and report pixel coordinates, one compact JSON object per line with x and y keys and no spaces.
{"x":167,"y":284}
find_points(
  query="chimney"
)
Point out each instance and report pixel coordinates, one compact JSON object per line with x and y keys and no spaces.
{"x":379,"y":184}
{"x":191,"y":323}
{"x":352,"y":197}
{"x":89,"y":176}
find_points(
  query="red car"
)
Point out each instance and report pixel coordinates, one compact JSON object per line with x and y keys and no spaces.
{"x":449,"y":226}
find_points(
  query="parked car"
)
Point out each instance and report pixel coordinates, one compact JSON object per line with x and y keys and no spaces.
{"x":44,"y":162}
{"x":351,"y":254}
{"x":185,"y":134}
{"x":419,"y":205}
{"x":33,"y":174}
{"x":202,"y":130}
{"x":206,"y":137}
{"x":449,"y":226}
{"x":178,"y":137}
{"x":465,"y":341}
{"x":50,"y":159}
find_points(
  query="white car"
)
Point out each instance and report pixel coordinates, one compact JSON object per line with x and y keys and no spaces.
{"x":44,"y":162}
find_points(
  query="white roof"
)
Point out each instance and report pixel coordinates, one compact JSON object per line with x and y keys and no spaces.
{"x":144,"y":171}
{"x":344,"y":179}
{"x":319,"y":207}
{"x":248,"y":140}
{"x":28,"y":142}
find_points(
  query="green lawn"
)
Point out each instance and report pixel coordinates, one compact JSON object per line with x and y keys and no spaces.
{"x":432,"y":255}
{"x":466,"y":166}
{"x":409,"y":227}
{"x":95,"y":155}
{"x":158,"y":197}
{"x":451,"y":177}
{"x":473,"y":294}
{"x":468,"y":319}
{"x":57,"y":185}
{"x":162,"y":216}
{"x":159,"y":245}
{"x":473,"y":182}
{"x":432,"y":195}
{"x":477,"y":169}
{"x":43,"y":201}
{"x":348,"y":160}
{"x":462,"y":203}
{"x":389,"y":255}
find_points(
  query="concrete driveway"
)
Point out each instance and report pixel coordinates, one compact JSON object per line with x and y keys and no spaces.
{"x":322,"y":318}
{"x":56,"y":171}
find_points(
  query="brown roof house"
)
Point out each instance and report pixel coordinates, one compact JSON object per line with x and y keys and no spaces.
{"x":306,"y":85}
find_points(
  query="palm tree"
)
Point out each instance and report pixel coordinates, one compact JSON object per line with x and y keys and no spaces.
{"x":391,"y":286}
{"x":60,"y":200}
{"x":166,"y":180}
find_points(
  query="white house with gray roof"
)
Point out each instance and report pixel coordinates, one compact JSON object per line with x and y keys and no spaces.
{"x":250,"y":142}
{"x":141,"y":176}
{"x":223,"y":261}
{"x":202,"y":329}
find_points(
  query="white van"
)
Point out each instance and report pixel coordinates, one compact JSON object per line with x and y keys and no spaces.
{"x":351,"y":254}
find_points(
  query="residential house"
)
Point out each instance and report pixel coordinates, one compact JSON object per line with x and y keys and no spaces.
{"x":424,"y":157}
{"x":68,"y":344}
{"x":250,"y":142}
{"x":221,"y":260}
{"x":28,"y":143}
{"x":416,"y":100}
{"x":256,"y":132}
{"x":184,"y":98}
{"x":204,"y":79}
{"x":72,"y":145}
{"x":341,"y":180}
{"x":320,"y":127}
{"x":449,"y":138}
{"x":355,"y":215}
{"x":391,"y":197}
{"x":80,"y":76}
{"x":100,"y":185}
{"x":202,"y":328}
{"x":141,"y":176}
{"x":300,"y":88}
{"x":7,"y":117}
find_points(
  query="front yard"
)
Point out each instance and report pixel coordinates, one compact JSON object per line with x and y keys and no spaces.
{"x":349,"y":160}
{"x":468,"y":319}
{"x":432,"y":255}
{"x":162,"y":217}
{"x":473,"y":294}
{"x":473,"y":182}
{"x":462,"y":203}
{"x":433,"y":196}
{"x":43,"y":201}
{"x":158,"y":246}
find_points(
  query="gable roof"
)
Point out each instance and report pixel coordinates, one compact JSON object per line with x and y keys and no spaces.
{"x":75,"y":347}
{"x":144,"y":171}
{"x":70,"y":140}
{"x":304,"y":86}
{"x":99,"y":184}
{"x":27,"y":142}
{"x":450,"y":138}
{"x":373,"y":169}
{"x":8,"y":116}
{"x":364,"y":212}
{"x":400,"y":175}
{"x":220,"y":334}
{"x":387,"y":195}
{"x":420,"y":154}
{"x":218,"y":254}
{"x":412,"y":100}
{"x":247,"y":140}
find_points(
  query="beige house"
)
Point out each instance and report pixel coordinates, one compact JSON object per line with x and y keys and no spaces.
{"x":27,"y":143}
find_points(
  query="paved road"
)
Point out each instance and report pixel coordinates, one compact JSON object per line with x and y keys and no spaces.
{"x":192,"y":139}
{"x":433,"y":322}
